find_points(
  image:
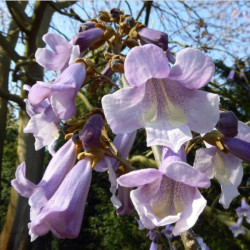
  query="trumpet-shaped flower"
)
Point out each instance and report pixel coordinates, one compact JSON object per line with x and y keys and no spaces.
{"x":61,"y":163}
{"x":237,"y":228}
{"x":165,"y":101}
{"x":43,"y":124}
{"x":62,"y":92}
{"x":123,"y":144}
{"x":63,"y":52}
{"x":226,"y":167}
{"x":59,"y":57}
{"x":168,"y":195}
{"x":244,"y":210}
{"x":63,"y":213}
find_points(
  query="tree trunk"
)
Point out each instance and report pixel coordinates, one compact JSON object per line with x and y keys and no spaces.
{"x":4,"y":82}
{"x":15,"y":231}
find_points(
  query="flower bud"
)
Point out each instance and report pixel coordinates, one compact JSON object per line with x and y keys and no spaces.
{"x":104,"y":16}
{"x":238,"y":148}
{"x":228,"y":124}
{"x":156,"y":37}
{"x":86,"y":26}
{"x":129,"y":21}
{"x":88,"y":38}
{"x":91,"y":132}
{"x":115,"y":13}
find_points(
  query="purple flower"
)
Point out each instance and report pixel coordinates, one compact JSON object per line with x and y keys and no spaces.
{"x":226,"y":168}
{"x":87,"y":38}
{"x":231,"y":75}
{"x":62,"y":92}
{"x":227,"y":124}
{"x":237,"y":229}
{"x":153,"y":246}
{"x":156,"y":37}
{"x":61,"y":163}
{"x":168,"y":195}
{"x":59,"y":58}
{"x":123,"y":203}
{"x":153,"y":236}
{"x":167,"y":231}
{"x":244,"y":210}
{"x":43,"y":123}
{"x":59,"y":166}
{"x":86,"y":26}
{"x":164,"y":101}
{"x":238,"y":148}
{"x":91,"y":133}
{"x":127,"y":206}
{"x":202,"y":244}
{"x":63,"y":213}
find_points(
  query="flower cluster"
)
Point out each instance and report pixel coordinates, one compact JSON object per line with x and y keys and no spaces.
{"x":242,"y":211}
{"x":160,"y":94}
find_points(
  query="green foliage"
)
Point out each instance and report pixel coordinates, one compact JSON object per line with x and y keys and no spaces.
{"x":8,"y":163}
{"x":235,"y":95}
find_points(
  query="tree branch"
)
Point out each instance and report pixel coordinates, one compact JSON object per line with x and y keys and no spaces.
{"x":143,"y":161}
{"x":9,"y":49}
{"x":18,"y":15}
{"x":13,"y":98}
{"x":140,"y":12}
{"x":72,"y":14}
{"x":148,"y":10}
{"x":39,"y":10}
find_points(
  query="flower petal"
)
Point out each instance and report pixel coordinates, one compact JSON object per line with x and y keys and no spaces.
{"x":55,"y":41}
{"x":243,"y":132}
{"x":52,"y":61}
{"x":62,"y":91}
{"x":190,"y":213}
{"x":59,"y":57}
{"x":167,"y":135}
{"x":22,"y":185}
{"x":44,"y":127}
{"x":192,"y":68}
{"x":145,"y":62}
{"x":197,"y":105}
{"x":63,"y":103}
{"x":127,"y":206}
{"x":204,"y":161}
{"x":142,"y":200}
{"x":123,"y":109}
{"x":229,"y":173}
{"x":139,"y":177}
{"x":184,"y":173}
{"x":37,"y":94}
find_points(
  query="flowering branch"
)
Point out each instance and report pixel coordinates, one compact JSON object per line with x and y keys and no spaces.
{"x":224,"y":219}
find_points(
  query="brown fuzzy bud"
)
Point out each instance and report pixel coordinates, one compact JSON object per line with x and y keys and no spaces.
{"x":104,"y":16}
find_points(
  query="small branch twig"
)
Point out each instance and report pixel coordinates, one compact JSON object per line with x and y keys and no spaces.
{"x":14,"y":98}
